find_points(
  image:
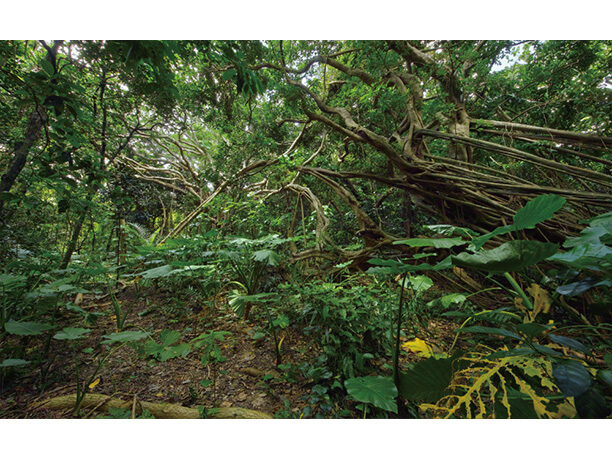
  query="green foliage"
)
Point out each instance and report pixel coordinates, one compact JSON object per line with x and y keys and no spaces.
{"x":349,"y":324}
{"x":123,"y":152}
{"x":71,"y":333}
{"x":26,"y":328}
{"x":428,"y":380}
{"x":164,"y":351}
{"x":208,"y":343}
{"x":509,"y":257}
{"x":375,"y":390}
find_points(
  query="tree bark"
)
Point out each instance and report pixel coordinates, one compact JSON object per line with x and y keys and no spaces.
{"x":20,"y":156}
{"x":76,"y":232}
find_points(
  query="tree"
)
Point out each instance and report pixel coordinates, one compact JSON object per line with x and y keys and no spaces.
{"x":370,"y":136}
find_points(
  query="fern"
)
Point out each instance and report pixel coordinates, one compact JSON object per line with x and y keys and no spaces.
{"x":486,"y":382}
{"x":146,"y":236}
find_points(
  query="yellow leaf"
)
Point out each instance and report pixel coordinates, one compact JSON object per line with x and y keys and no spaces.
{"x":95,"y":383}
{"x":159,"y":394}
{"x":518,"y":302}
{"x":541,"y":302}
{"x":566,"y":410}
{"x":420,"y":347}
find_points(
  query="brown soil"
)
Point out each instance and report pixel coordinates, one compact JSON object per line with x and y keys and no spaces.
{"x":248,"y":378}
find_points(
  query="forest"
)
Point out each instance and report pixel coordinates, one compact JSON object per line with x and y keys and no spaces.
{"x":325,"y":229}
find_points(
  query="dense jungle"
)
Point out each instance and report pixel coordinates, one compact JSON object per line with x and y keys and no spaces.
{"x":245,"y":229}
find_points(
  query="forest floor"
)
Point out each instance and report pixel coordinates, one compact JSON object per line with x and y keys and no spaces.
{"x":247,"y":378}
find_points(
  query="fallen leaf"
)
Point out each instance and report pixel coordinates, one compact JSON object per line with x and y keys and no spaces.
{"x":418,"y":346}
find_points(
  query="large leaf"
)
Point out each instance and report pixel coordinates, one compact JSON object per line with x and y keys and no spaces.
{"x":9,"y":281}
{"x":508,"y":257}
{"x":72,"y":333}
{"x":443,"y":243}
{"x":571,"y":377}
{"x":418,"y":283}
{"x":488,"y":330}
{"x":578,"y":288}
{"x":165,"y":351}
{"x":479,"y":241}
{"x":589,"y":235}
{"x":270,"y":257}
{"x":587,"y":256}
{"x":181,"y":350}
{"x":396,"y":267}
{"x":532,"y":329}
{"x":592,"y":405}
{"x":447,"y":300}
{"x":26,"y":328}
{"x":169,"y":337}
{"x":160,"y":271}
{"x":569,"y":342}
{"x":377,"y":390}
{"x":535,"y":211}
{"x":124,"y":337}
{"x":238,"y":302}
{"x":427,"y":380}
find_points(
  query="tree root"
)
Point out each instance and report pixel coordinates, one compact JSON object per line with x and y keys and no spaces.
{"x":103,"y":403}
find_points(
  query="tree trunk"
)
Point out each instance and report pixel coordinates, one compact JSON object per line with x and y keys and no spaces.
{"x":98,"y":402}
{"x":37,"y":119}
{"x":76,"y":232}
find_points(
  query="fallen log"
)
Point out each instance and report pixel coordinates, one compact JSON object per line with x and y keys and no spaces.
{"x":103,"y":403}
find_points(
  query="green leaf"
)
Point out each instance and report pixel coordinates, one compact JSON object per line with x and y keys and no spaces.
{"x":488,"y":330}
{"x":47,"y":67}
{"x":26,"y":328}
{"x":511,"y":353}
{"x":427,"y":380}
{"x":571,"y":377}
{"x":71,"y":333}
{"x":592,"y":405}
{"x":418,"y":283}
{"x":9,"y":281}
{"x":603,"y":219}
{"x":479,"y":241}
{"x":569,"y":342}
{"x":447,"y":300}
{"x":588,"y":256}
{"x":396,"y":267}
{"x":532,"y":329}
{"x":182,"y":350}
{"x":443,"y":243}
{"x":605,"y":376}
{"x":169,"y":337}
{"x":13,"y":363}
{"x":228,"y":74}
{"x":270,"y":257}
{"x":282,"y":321}
{"x":578,"y":288}
{"x":589,"y":235}
{"x":376,"y":390}
{"x":124,"y":337}
{"x":161,"y":271}
{"x":508,"y":257}
{"x":537,"y":210}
